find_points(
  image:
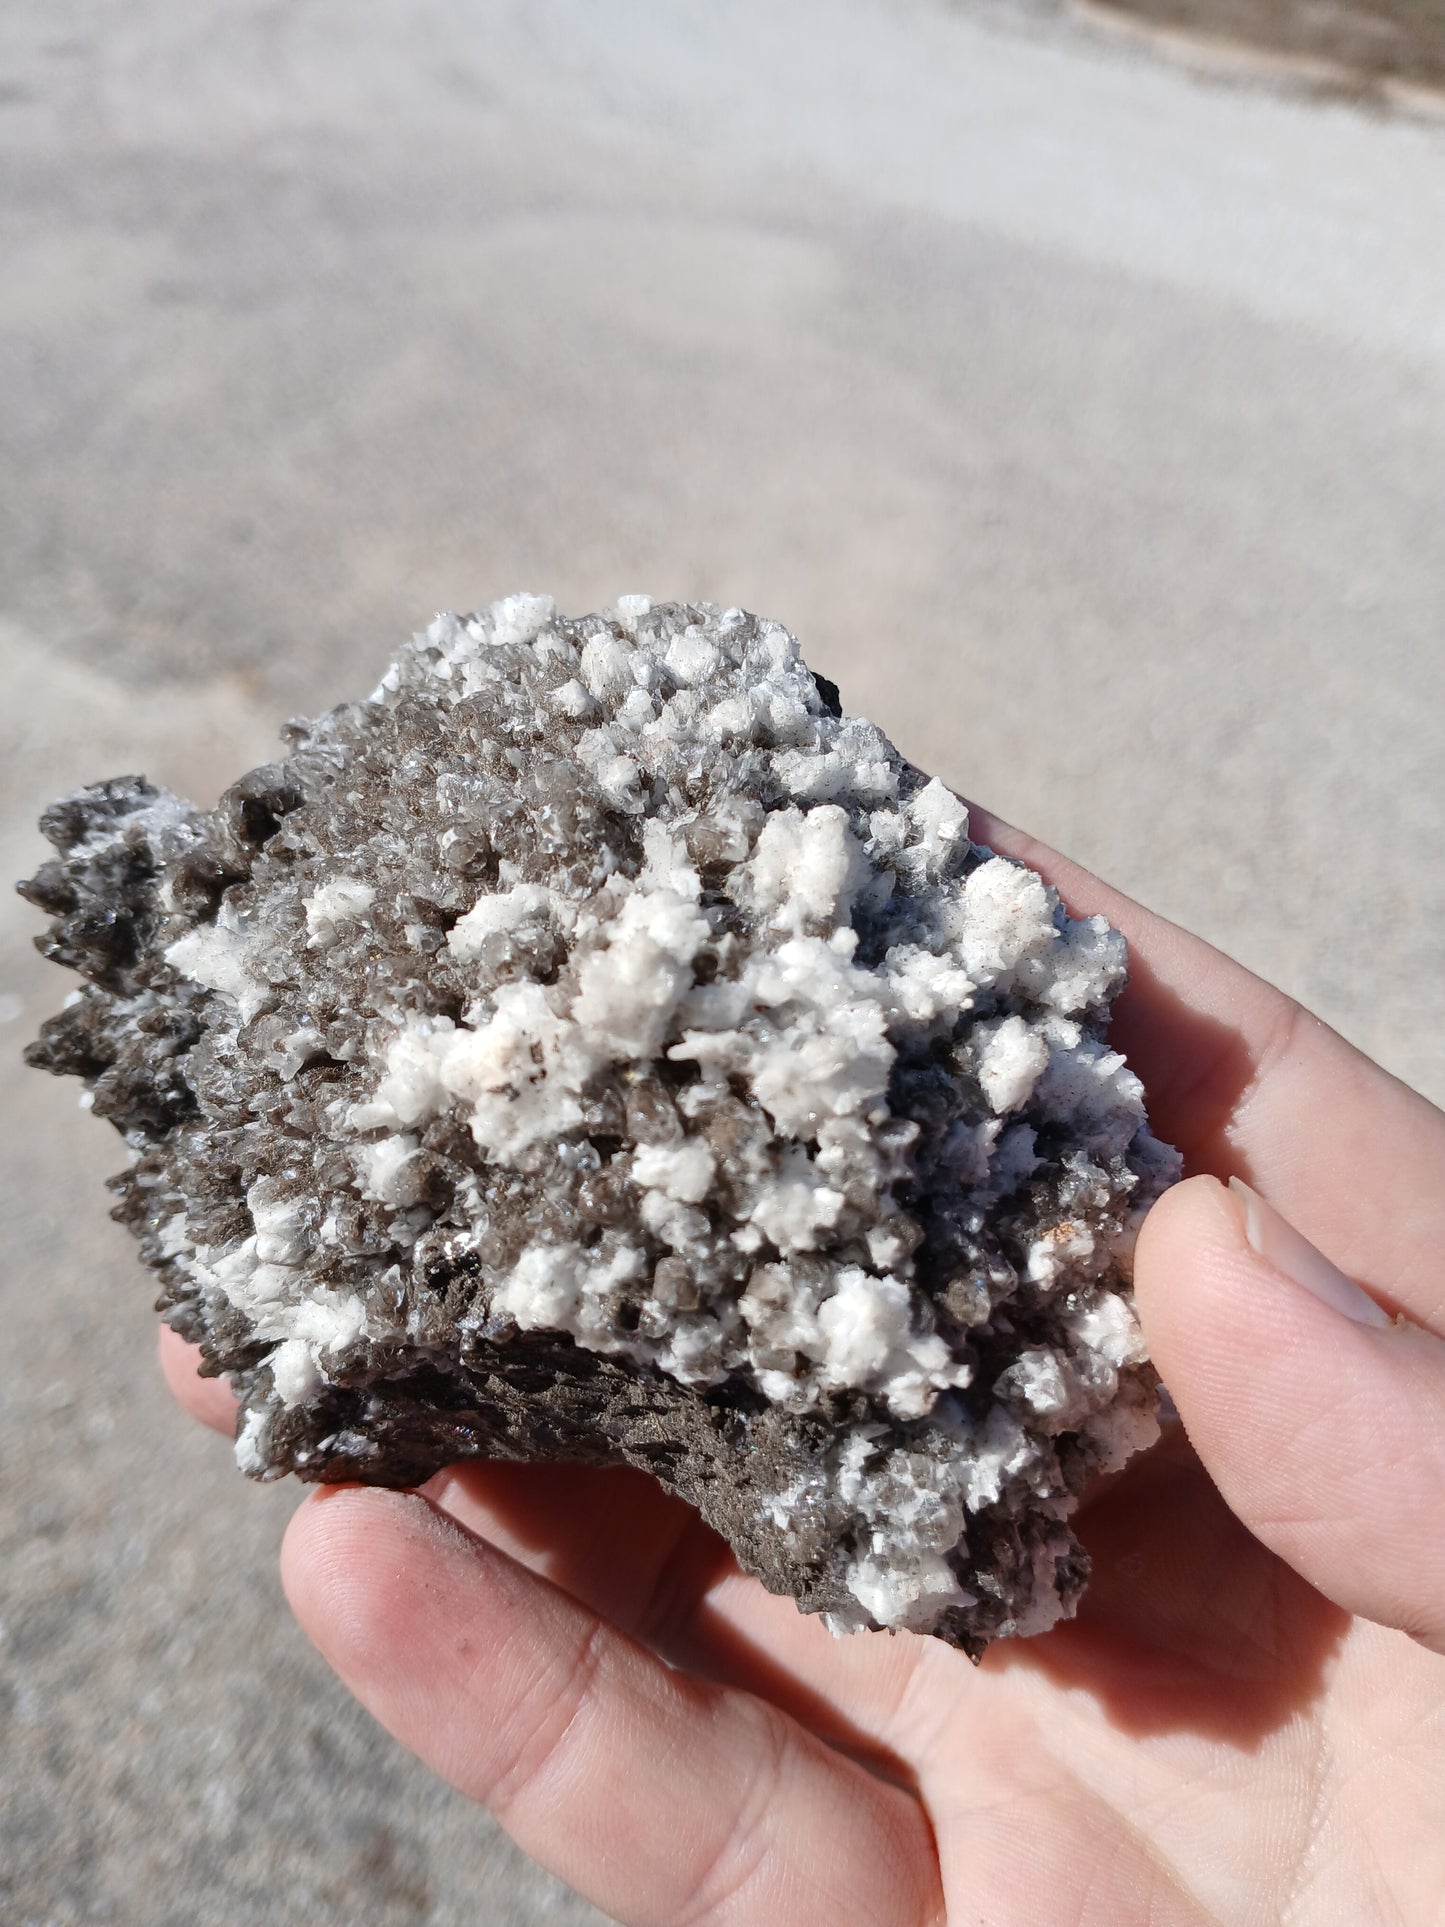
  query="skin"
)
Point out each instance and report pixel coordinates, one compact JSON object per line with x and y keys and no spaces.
{"x":1245,"y":1723}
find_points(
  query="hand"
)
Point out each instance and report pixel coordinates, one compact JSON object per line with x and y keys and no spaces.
{"x":1246,"y":1722}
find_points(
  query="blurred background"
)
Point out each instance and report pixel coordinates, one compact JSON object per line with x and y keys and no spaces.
{"x":1076,"y":394}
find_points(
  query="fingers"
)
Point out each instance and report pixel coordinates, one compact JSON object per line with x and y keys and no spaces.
{"x":1244,"y":1080}
{"x":661,"y":1798}
{"x":1322,"y":1424}
{"x":210,"y":1400}
{"x":645,"y":1561}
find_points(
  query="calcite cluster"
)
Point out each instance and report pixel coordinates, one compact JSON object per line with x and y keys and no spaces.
{"x":594,"y":1046}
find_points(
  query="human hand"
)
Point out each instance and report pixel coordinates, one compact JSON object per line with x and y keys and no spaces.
{"x":1246,"y":1722}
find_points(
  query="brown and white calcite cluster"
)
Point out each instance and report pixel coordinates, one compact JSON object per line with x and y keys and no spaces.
{"x":594,"y":1046}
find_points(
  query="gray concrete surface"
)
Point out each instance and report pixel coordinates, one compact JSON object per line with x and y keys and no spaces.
{"x":1087,"y":422}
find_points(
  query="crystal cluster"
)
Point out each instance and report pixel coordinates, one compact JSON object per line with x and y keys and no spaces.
{"x":594,"y":1046}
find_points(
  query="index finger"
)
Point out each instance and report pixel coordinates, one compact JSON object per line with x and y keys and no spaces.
{"x":1246,"y":1081}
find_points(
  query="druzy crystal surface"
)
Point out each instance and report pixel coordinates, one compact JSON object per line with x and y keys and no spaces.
{"x":596,"y":1047}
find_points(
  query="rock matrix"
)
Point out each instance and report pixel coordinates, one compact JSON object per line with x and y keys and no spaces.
{"x":594,"y":1046}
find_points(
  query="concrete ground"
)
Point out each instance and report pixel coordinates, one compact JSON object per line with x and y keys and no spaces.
{"x":1086,"y":421}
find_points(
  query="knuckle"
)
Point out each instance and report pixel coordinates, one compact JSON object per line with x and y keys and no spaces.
{"x":717,"y":1885}
{"x":541,"y":1725}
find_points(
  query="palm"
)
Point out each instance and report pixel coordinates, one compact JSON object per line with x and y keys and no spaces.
{"x":1210,"y":1739}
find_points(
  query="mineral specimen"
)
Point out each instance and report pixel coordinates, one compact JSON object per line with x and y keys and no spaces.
{"x":596,"y":1047}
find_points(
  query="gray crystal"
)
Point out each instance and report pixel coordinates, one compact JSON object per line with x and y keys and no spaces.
{"x":594,"y":1046}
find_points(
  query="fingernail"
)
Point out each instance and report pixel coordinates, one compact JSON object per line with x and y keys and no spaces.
{"x":1280,"y":1245}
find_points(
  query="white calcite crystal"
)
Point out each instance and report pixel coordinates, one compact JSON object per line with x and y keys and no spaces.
{"x":596,"y":1046}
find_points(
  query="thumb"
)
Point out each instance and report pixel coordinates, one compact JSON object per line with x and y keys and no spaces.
{"x":1321,"y":1422}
